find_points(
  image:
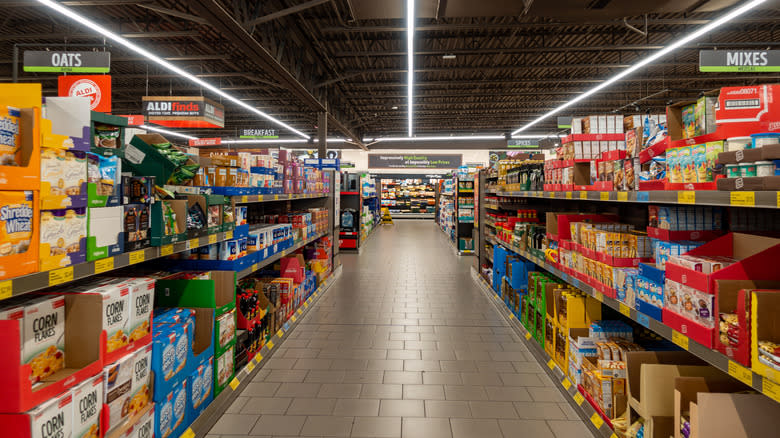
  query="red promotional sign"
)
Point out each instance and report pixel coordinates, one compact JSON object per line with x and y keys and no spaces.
{"x":206,"y":141}
{"x":134,"y":120}
{"x":96,"y":87}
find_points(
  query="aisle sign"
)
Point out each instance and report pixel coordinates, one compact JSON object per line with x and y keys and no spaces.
{"x":183,"y":112}
{"x":739,"y":60}
{"x":257,"y":133}
{"x":96,"y":87}
{"x":422,"y":161}
{"x":523,"y":143}
{"x":66,"y":61}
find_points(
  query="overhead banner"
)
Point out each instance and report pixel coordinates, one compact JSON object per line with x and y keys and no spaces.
{"x":403,"y":161}
{"x":523,"y":143}
{"x":257,"y":133}
{"x":496,"y":156}
{"x":96,"y":87}
{"x":184,"y":112}
{"x":564,"y":122}
{"x":739,"y":60}
{"x":67,"y":62}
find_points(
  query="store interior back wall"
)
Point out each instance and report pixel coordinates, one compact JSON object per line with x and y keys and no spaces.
{"x":360,"y":158}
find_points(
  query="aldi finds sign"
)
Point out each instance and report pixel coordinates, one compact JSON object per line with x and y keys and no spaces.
{"x":67,"y":62}
{"x":739,"y":60}
{"x":184,"y":112}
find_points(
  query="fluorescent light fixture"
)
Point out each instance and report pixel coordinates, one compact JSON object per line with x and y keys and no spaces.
{"x":393,"y":107}
{"x":166,"y":132}
{"x":152,"y":57}
{"x":448,"y":56}
{"x":650,"y":59}
{"x":452,"y":138}
{"x":410,"y":56}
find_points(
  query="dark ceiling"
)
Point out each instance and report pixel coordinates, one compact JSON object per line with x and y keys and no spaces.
{"x":514,"y":59}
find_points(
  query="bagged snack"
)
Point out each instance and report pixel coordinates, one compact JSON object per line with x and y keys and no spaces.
{"x":107,"y":136}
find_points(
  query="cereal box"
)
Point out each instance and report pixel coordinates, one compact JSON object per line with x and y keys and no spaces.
{"x":140,"y":392}
{"x":141,"y":303}
{"x":16,"y":222}
{"x":87,"y":406}
{"x":225,"y":367}
{"x":699,"y":156}
{"x":171,"y":411}
{"x":144,"y":428}
{"x":116,"y":315}
{"x":53,"y":419}
{"x":201,"y":383}
{"x":117,"y":383}
{"x":226,"y":328}
{"x":9,"y":135}
{"x":44,"y":336}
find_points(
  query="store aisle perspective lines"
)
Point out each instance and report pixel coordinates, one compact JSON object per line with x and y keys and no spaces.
{"x":402,"y":345}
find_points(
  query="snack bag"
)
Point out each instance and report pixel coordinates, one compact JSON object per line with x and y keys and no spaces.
{"x":713,"y":149}
{"x":9,"y":135}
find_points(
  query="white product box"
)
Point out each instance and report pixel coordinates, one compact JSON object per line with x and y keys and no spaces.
{"x":105,"y":224}
{"x":44,"y":336}
{"x":579,"y":152}
{"x":576,"y":125}
{"x":87,"y":406}
{"x":144,"y":428}
{"x":117,"y":383}
{"x":594,"y":124}
{"x":602,"y":125}
{"x":141,"y":303}
{"x":611,"y":128}
{"x":613,"y":145}
{"x":140,"y":390}
{"x":619,"y":129}
{"x":54,"y":418}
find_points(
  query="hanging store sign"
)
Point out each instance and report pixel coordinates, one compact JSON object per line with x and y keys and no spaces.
{"x":564,"y":122}
{"x":67,"y":62}
{"x":739,"y":60}
{"x":184,"y":112}
{"x":523,"y":143}
{"x":255,"y":133}
{"x":401,"y":161}
{"x":134,"y":120}
{"x":96,"y":87}
{"x":205,"y":141}
{"x":496,"y":156}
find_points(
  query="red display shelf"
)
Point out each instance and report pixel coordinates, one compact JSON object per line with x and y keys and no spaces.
{"x":350,"y":193}
{"x":659,"y":148}
{"x":697,"y":236}
{"x":593,"y":137}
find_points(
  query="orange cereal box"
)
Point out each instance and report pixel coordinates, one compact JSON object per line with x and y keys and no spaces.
{"x":18,"y":233}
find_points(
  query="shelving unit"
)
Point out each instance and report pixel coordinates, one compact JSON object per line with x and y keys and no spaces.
{"x":466,"y":195}
{"x":360,"y":197}
{"x":409,"y":198}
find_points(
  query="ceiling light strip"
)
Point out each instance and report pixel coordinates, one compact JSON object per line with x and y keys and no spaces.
{"x":145,"y":53}
{"x":650,"y":59}
{"x":166,"y":132}
{"x":410,"y":57}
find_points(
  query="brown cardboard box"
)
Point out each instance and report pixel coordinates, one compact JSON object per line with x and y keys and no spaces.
{"x":687,"y":389}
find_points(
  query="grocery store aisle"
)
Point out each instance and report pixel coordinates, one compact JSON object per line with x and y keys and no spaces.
{"x":402,"y":345}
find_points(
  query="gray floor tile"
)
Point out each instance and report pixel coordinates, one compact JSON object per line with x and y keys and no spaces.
{"x":540,"y":411}
{"x":385,"y":364}
{"x":352,"y":376}
{"x":426,"y":428}
{"x":434,"y":378}
{"x":357,"y":408}
{"x":447,"y":408}
{"x":234,"y":424}
{"x":266,"y":405}
{"x":402,"y":408}
{"x":521,"y":380}
{"x":404,"y":354}
{"x":311,"y":406}
{"x":423,"y":392}
{"x":327,"y":426}
{"x":482,"y":379}
{"x":470,"y":428}
{"x":380,"y":427}
{"x":565,"y":429}
{"x":458,"y":366}
{"x":545,"y":394}
{"x":529,"y":428}
{"x":286,"y":376}
{"x":382,"y":390}
{"x":298,"y":390}
{"x":325,"y":376}
{"x":279,"y":425}
{"x":339,"y":390}
{"x":236,"y":406}
{"x":465,"y":392}
{"x":260,"y":389}
{"x":403,"y":377}
{"x":492,"y":409}
{"x":422,"y":365}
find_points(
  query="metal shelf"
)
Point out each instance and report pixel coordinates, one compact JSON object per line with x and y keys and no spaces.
{"x":268,"y":260}
{"x":209,"y":417}
{"x":745,"y":375}
{"x":765,"y":199}
{"x":40,"y":280}
{"x":249,"y":199}
{"x":562,"y":382}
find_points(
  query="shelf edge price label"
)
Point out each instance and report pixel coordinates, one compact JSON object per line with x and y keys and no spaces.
{"x":551,"y":364}
{"x":244,"y":198}
{"x":569,"y":195}
{"x":250,"y":367}
{"x":583,"y":195}
{"x":234,"y":383}
{"x":192,"y":243}
{"x":743,"y":199}
{"x":136,"y":257}
{"x":104,"y":265}
{"x":566,"y":383}
{"x":528,"y":335}
{"x":229,"y":234}
{"x":280,"y":333}
{"x":212,"y":239}
{"x":6,"y":289}
{"x":188,"y":433}
{"x":596,"y":420}
{"x":306,"y":304}
{"x":276,"y":197}
{"x":270,"y":345}
{"x":604,"y":196}
{"x":778,"y":199}
{"x":551,"y":195}
{"x":643,"y":320}
{"x":578,"y":398}
{"x":293,"y":318}
{"x":258,"y":357}
{"x":625,"y":310}
{"x":166,"y":250}
{"x":680,"y":340}
{"x":686,"y":197}
{"x":59,"y":276}
{"x":622,"y":196}
{"x":740,"y":373}
{"x":771,"y":389}
{"x":598,"y":296}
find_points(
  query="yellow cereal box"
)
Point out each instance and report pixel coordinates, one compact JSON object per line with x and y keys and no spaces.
{"x":9,"y":135}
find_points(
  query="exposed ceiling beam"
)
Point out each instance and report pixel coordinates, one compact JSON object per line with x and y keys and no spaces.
{"x":284,"y":12}
{"x":494,"y":50}
{"x":71,"y":36}
{"x":174,"y":13}
{"x":28,"y":3}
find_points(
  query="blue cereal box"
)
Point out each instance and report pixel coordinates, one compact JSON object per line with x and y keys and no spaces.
{"x":171,"y":412}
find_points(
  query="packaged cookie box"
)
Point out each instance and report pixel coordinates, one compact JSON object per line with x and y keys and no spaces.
{"x":171,"y":344}
{"x":63,"y":179}
{"x":63,"y":238}
{"x":19,"y":233}
{"x":44,"y":350}
{"x":200,"y":388}
{"x":690,"y":312}
{"x":52,"y":418}
{"x":20,"y":137}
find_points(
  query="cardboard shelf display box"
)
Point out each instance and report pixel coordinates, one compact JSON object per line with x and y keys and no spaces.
{"x":26,"y":175}
{"x":764,"y":326}
{"x":107,"y":145}
{"x":717,"y":411}
{"x":105,"y":235}
{"x":142,"y":158}
{"x":179,"y":208}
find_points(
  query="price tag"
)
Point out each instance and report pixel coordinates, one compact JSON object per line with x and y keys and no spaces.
{"x":280,"y":333}
{"x":276,"y":197}
{"x":270,"y":345}
{"x":258,"y":358}
{"x":104,"y":265}
{"x":300,"y":311}
{"x":613,"y":436}
{"x":136,"y":257}
{"x":234,"y":383}
{"x":686,"y":197}
{"x":622,"y":196}
{"x":229,"y":235}
{"x":59,"y":276}
{"x":245,"y":199}
{"x":6,"y":289}
{"x":680,"y":339}
{"x":778,"y":199}
{"x":568,"y":195}
{"x":566,"y":384}
{"x":643,"y":196}
{"x":596,"y":420}
{"x":771,"y":389}
{"x":599,"y":296}
{"x":254,"y":267}
{"x":306,"y":304}
{"x":578,"y":398}
{"x":511,"y":316}
{"x":192,"y":243}
{"x":625,"y":310}
{"x":212,"y":239}
{"x":188,"y":434}
{"x":250,"y":366}
{"x":316,"y":293}
{"x":528,"y":335}
{"x":551,"y":364}
{"x":166,"y":250}
{"x":551,"y":195}
{"x":743,"y":199}
{"x":643,"y":319}
{"x":583,"y":195}
{"x":293,"y":318}
{"x":740,"y":373}
{"x":604,"y":196}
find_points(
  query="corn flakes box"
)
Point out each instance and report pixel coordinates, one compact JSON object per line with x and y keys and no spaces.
{"x":144,"y":427}
{"x":140,"y":392}
{"x":115,"y":312}
{"x":54,"y":418}
{"x":117,"y":385}
{"x":141,"y":305}
{"x":44,"y":336}
{"x":87,"y":406}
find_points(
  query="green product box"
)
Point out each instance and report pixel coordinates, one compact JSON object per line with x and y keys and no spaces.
{"x":178,"y":207}
{"x":218,"y":292}
{"x":107,"y":142}
{"x":142,"y":158}
{"x":214,"y":221}
{"x":539,"y":320}
{"x":224,"y":331}
{"x":224,"y":370}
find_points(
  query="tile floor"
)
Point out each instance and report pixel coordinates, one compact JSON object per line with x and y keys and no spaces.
{"x":402,"y":345}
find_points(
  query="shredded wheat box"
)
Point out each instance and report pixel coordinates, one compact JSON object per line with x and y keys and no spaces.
{"x":44,"y":336}
{"x":87,"y":405}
